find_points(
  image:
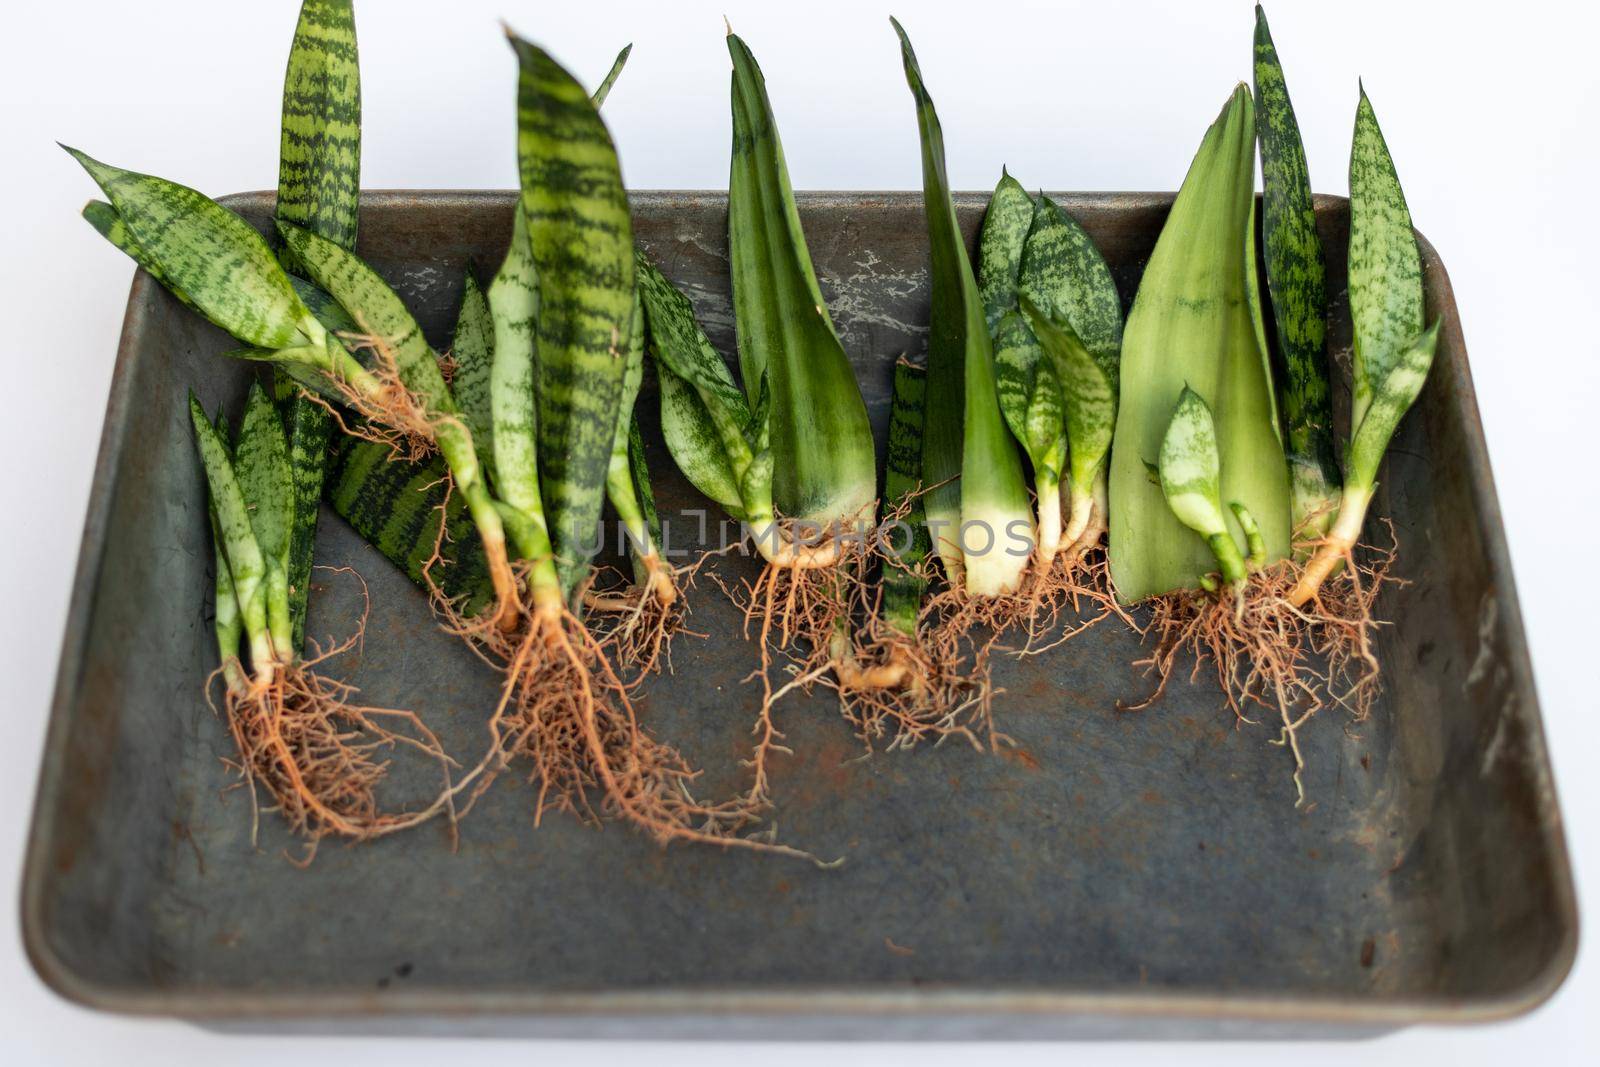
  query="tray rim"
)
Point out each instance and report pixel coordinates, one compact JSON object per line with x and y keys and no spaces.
{"x":835,"y":1001}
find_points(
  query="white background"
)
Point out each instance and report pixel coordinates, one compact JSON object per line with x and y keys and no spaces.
{"x":1490,"y":110}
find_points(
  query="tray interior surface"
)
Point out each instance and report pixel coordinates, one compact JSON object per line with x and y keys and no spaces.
{"x":1154,"y":854}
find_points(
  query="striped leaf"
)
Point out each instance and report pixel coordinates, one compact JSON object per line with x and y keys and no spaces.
{"x":376,"y":309}
{"x":1005,"y":229}
{"x":1386,"y":307}
{"x":695,"y":445}
{"x":1191,"y":479}
{"x":1066,"y":277}
{"x":514,"y":314}
{"x":307,"y":427}
{"x":319,"y":156}
{"x":1391,"y":398}
{"x":319,"y":188}
{"x":604,"y":90}
{"x":1089,"y":396}
{"x":243,"y":554}
{"x":215,"y":259}
{"x":1191,"y":326}
{"x":903,"y":583}
{"x":472,"y":347}
{"x":582,"y":244}
{"x":824,"y":462}
{"x":395,"y":508}
{"x":1030,"y":399}
{"x":261,"y":463}
{"x":1296,"y":285}
{"x":705,"y":419}
{"x":227,"y":622}
{"x":104,"y":218}
{"x":967,"y":453}
{"x":624,"y":475}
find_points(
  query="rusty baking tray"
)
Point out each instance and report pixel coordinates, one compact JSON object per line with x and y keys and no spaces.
{"x":1114,"y":873}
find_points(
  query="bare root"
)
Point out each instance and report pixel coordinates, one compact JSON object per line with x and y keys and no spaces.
{"x":319,"y":757}
{"x":1266,"y":653}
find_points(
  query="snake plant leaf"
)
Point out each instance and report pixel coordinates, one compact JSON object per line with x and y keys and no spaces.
{"x":1030,"y":398}
{"x":243,"y":554}
{"x":376,"y":309}
{"x":472,"y":348}
{"x":1191,"y":325}
{"x":581,"y":239}
{"x":903,"y":580}
{"x":1089,"y":394}
{"x":514,"y":313}
{"x":968,"y":455}
{"x":395,"y":507}
{"x":628,"y":477}
{"x":227,"y":623}
{"x":825,"y":466}
{"x":1391,"y":399}
{"x":709,"y":428}
{"x":104,"y":218}
{"x":1065,"y":276}
{"x":324,"y":308}
{"x":1005,"y":228}
{"x":1386,"y":304}
{"x":307,"y":427}
{"x":1296,"y":285}
{"x":695,"y":445}
{"x":216,"y":260}
{"x":319,"y":188}
{"x":261,"y":464}
{"x":319,"y":155}
{"x":1191,"y":479}
{"x":604,"y":89}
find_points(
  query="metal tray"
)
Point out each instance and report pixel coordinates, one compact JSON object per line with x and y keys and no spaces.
{"x":1115,"y":873}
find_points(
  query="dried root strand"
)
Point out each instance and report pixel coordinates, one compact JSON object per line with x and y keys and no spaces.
{"x":1266,"y":653}
{"x":320,"y":757}
{"x":568,"y":715}
{"x":392,"y":415}
{"x":636,"y":622}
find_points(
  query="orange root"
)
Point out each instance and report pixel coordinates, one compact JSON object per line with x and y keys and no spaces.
{"x":320,"y":758}
{"x":1265,"y":652}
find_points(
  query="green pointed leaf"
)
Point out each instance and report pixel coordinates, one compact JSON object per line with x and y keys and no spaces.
{"x":376,"y":309}
{"x":472,"y":348}
{"x":395,"y":508}
{"x":261,"y":462}
{"x":903,"y":583}
{"x":514,"y":313}
{"x":581,"y":238}
{"x":1030,"y":396}
{"x":1191,"y":325}
{"x":967,"y":451}
{"x":244,"y":560}
{"x":1390,"y":400}
{"x":600,"y":94}
{"x":319,"y":158}
{"x":825,"y":466}
{"x":1386,"y":304}
{"x":1191,"y":479}
{"x":709,"y":428}
{"x":104,"y":218}
{"x":1297,"y":287}
{"x":198,"y":248}
{"x":1088,"y":393}
{"x":1065,"y":276}
{"x":1005,"y":228}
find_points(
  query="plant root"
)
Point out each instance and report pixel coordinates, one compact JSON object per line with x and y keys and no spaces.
{"x":638,"y":622}
{"x":392,"y":415}
{"x":319,"y":757}
{"x":565,"y":710}
{"x":1266,"y":653}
